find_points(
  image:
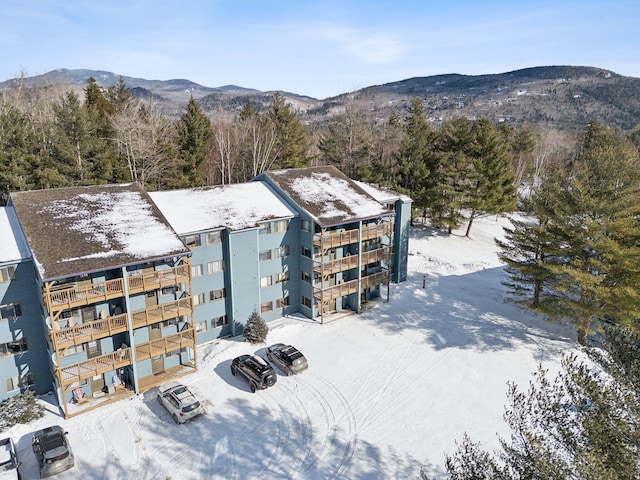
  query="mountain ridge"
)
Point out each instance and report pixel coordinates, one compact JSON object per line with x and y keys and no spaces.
{"x":563,"y":97}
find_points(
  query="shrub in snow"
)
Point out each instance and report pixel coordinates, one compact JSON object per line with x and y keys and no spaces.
{"x":19,"y":409}
{"x":256,"y":329}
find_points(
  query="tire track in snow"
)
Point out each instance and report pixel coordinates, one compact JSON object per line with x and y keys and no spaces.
{"x":351,"y":434}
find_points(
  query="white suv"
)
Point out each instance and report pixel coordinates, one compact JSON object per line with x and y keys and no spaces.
{"x":179,"y":401}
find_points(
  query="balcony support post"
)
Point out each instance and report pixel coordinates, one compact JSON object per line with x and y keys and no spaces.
{"x":127,"y":303}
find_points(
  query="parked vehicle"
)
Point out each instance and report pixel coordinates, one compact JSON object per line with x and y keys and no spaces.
{"x":254,"y":370}
{"x":52,"y":450}
{"x":287,"y":358}
{"x":181,"y":403}
{"x":8,"y":460}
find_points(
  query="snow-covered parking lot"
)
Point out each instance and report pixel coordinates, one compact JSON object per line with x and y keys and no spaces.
{"x":387,"y":392}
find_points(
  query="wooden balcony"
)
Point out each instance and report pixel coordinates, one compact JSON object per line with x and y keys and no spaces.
{"x":78,"y":296}
{"x":167,"y":277}
{"x":347,"y":288}
{"x":87,"y":332}
{"x":333,"y":239}
{"x":160,"y":346}
{"x":377,"y":255}
{"x":338,"y":265}
{"x":383,"y":229}
{"x":95,"y":366}
{"x":162,"y":312}
{"x":350,"y":262}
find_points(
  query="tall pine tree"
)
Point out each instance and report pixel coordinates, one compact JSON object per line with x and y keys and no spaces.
{"x":195,"y":135}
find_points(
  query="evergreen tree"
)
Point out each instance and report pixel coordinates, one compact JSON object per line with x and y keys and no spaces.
{"x":256,"y":329}
{"x":599,"y":275}
{"x":17,"y":150}
{"x":195,"y":135}
{"x":492,"y":190}
{"x":291,"y":145}
{"x":416,"y":162}
{"x":582,"y":425}
{"x":531,"y":245}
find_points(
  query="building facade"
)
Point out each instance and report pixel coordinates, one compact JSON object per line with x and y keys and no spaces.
{"x":116,"y":287}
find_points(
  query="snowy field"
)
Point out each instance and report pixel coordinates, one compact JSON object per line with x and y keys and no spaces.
{"x":387,"y":392}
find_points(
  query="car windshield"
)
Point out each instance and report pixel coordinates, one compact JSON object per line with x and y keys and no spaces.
{"x":54,"y":447}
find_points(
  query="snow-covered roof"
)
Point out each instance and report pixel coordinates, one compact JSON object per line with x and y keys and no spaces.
{"x":86,"y":229}
{"x":236,"y":207}
{"x":13,"y":245}
{"x":383,"y":195}
{"x":328,"y":195}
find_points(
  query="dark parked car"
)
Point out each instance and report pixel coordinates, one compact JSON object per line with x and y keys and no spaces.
{"x":287,"y":358}
{"x":52,"y":450}
{"x":253,"y":370}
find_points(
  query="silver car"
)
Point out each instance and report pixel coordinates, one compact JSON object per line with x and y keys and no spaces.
{"x":8,"y":460}
{"x":287,"y":358}
{"x":179,"y":401}
{"x":52,"y":450}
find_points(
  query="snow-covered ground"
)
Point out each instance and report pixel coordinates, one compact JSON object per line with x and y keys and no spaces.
{"x":387,"y":392}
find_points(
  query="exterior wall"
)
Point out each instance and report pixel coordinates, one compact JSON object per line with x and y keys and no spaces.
{"x":34,"y":361}
{"x":211,"y":318}
{"x":401,"y":241}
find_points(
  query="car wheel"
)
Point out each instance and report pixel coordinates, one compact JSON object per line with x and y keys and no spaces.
{"x":159,"y":398}
{"x":233,"y":371}
{"x":253,"y":388}
{"x":175,"y":418}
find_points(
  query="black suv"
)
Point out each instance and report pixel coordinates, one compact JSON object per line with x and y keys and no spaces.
{"x":253,"y":370}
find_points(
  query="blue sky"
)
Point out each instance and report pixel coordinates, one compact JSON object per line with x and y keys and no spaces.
{"x":312,"y":47}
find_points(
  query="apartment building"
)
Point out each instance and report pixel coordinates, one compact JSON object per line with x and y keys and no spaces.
{"x":108,"y":290}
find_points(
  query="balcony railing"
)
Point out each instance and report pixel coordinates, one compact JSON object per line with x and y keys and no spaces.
{"x":334,"y":266}
{"x":162,"y":312}
{"x":95,"y":366}
{"x":86,"y":332}
{"x":350,"y":262}
{"x":347,"y":288}
{"x":167,"y":277}
{"x":160,"y":346}
{"x":333,"y":239}
{"x":77,"y":296}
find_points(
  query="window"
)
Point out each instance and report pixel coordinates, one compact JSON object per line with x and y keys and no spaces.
{"x":282,"y":251}
{"x":215,"y":266}
{"x":265,"y":255}
{"x":306,"y":301}
{"x":218,"y":294}
{"x":198,"y":299}
{"x":18,"y":382}
{"x":196,"y":270}
{"x":201,"y":327}
{"x":168,"y":290}
{"x":266,"y":281}
{"x":282,"y":277}
{"x":192,"y":241}
{"x":171,"y":321}
{"x":10,"y":311}
{"x":281,"y":225}
{"x":7,"y":274}
{"x":265,"y":228}
{"x":214,"y":237}
{"x":283,"y":302}
{"x":266,"y":307}
{"x":305,"y":251}
{"x":305,"y":277}
{"x":11,"y":348}
{"x":305,"y":225}
{"x":219,"y":321}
